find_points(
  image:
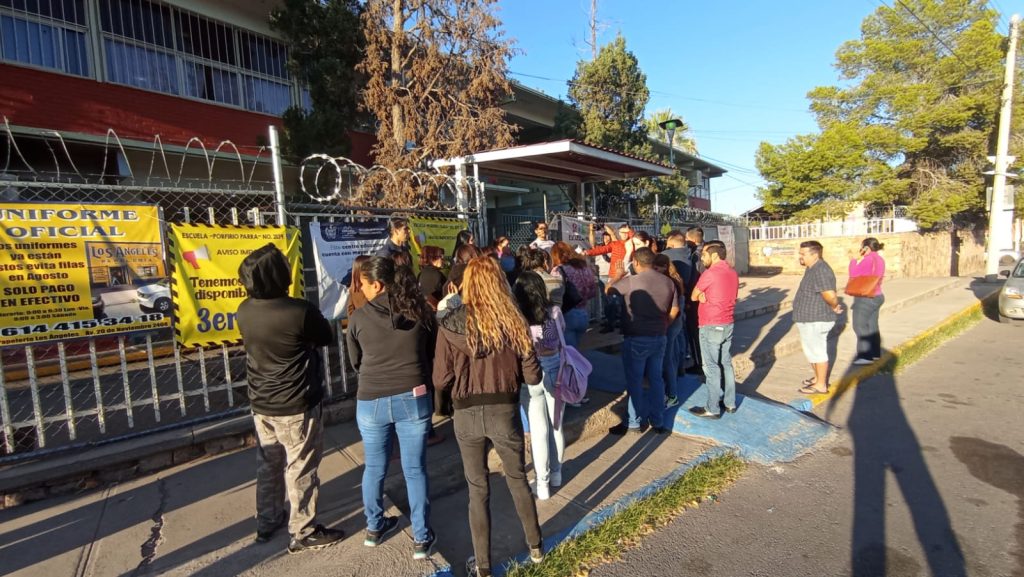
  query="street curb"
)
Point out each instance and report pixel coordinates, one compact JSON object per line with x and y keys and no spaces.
{"x":745,"y":364}
{"x":854,"y":378}
{"x":594,"y":519}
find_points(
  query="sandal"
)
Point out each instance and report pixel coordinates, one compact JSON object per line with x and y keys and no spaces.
{"x":810,"y":390}
{"x":809,"y":382}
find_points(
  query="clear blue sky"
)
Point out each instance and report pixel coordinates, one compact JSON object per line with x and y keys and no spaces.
{"x":737,"y":71}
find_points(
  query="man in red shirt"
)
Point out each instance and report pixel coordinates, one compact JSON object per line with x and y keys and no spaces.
{"x":619,"y":250}
{"x":716,"y":293}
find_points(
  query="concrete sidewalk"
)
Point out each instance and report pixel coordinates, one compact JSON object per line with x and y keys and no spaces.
{"x":197,"y":518}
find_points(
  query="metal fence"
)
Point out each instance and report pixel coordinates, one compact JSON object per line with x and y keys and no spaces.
{"x":860,"y":227}
{"x":68,"y":392}
{"x":63,"y":394}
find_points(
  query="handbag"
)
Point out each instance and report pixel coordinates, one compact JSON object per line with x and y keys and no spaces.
{"x":862,"y":286}
{"x":571,"y":382}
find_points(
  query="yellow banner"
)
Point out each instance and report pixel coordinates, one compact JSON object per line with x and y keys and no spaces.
{"x":72,"y":270}
{"x":439,"y":232}
{"x":204,"y":276}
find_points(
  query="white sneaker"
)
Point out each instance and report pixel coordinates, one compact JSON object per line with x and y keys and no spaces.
{"x":542,"y":491}
{"x":556,"y":479}
{"x":860,"y":361}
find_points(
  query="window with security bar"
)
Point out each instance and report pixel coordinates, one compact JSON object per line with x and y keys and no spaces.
{"x":45,"y":33}
{"x":159,"y":47}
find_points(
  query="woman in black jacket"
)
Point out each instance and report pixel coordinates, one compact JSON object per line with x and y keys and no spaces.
{"x":387,"y":345}
{"x":484,"y":353}
{"x":431,"y":277}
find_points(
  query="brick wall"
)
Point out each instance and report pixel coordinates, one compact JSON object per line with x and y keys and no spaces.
{"x":40,"y":99}
{"x":908,"y":255}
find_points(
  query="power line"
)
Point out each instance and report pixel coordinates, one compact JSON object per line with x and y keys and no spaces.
{"x":727,"y":175}
{"x":658,"y":92}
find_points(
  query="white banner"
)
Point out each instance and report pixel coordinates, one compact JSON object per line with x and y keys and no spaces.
{"x":335,"y":246}
{"x":576,"y":231}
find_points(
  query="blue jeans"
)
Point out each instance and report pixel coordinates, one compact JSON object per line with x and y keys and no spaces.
{"x":409,"y":417}
{"x":576,"y":322}
{"x":715,"y":341}
{"x":644,"y":356}
{"x":673,"y":354}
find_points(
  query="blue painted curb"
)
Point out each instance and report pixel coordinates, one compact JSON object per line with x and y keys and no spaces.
{"x":761,"y":431}
{"x":442,"y":572}
{"x":596,"y":518}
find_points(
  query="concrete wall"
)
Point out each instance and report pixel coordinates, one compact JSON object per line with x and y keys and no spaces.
{"x":908,"y":255}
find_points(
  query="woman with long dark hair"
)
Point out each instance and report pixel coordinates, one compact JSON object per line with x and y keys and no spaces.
{"x":387,"y":346}
{"x":545,"y":321}
{"x":484,"y":353}
{"x":866,"y":309}
{"x":463,"y":238}
{"x":461,"y":258}
{"x":355,"y":292}
{"x":576,"y":272}
{"x":431,"y":277}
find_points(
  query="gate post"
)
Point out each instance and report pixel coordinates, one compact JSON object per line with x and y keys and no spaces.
{"x":275,"y":152}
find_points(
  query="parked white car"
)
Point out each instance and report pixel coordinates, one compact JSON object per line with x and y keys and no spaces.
{"x":155,"y":297}
{"x":1011,"y":297}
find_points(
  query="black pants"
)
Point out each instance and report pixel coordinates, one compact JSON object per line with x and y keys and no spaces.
{"x":693,"y":334}
{"x":499,"y":424}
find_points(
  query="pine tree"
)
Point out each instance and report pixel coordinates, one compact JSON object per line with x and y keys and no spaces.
{"x":324,"y":45}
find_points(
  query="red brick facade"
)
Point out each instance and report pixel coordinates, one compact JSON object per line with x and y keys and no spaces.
{"x":40,"y":99}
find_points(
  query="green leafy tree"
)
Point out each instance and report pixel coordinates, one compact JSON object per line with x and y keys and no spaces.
{"x":324,"y":45}
{"x":911,"y":124}
{"x":611,"y":93}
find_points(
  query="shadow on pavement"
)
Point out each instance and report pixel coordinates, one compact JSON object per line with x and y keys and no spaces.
{"x":162,"y":498}
{"x":884,"y":443}
{"x":981,"y":289}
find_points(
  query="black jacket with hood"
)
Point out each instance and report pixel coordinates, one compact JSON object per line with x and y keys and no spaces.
{"x":477,"y":379}
{"x":281,"y":336}
{"x":388,"y":350}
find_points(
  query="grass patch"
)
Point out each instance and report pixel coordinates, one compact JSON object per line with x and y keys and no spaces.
{"x":918,"y":348}
{"x":606,"y":542}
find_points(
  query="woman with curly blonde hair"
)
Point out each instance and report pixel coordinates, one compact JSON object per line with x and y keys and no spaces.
{"x":484,"y":353}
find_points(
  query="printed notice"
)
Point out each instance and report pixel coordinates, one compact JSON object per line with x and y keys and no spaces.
{"x":74,"y":270}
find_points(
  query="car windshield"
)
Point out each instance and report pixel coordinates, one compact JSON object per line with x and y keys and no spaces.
{"x":1019,"y":271}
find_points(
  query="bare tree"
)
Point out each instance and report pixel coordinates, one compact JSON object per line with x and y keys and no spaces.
{"x":436,"y":77}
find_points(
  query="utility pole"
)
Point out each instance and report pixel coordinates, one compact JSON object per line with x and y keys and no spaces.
{"x":593,"y":29}
{"x":1000,"y":217}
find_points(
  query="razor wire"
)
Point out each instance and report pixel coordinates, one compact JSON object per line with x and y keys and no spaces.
{"x":342,"y":181}
{"x":71,"y":392}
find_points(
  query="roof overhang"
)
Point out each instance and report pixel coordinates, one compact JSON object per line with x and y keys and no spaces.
{"x":560,"y":161}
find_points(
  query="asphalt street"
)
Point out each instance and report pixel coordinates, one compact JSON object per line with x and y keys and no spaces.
{"x":925,"y":476}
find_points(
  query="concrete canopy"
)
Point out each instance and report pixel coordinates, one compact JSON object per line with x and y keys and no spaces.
{"x":561,"y":161}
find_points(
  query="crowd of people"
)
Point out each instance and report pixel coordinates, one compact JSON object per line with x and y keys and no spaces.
{"x":484,"y":338}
